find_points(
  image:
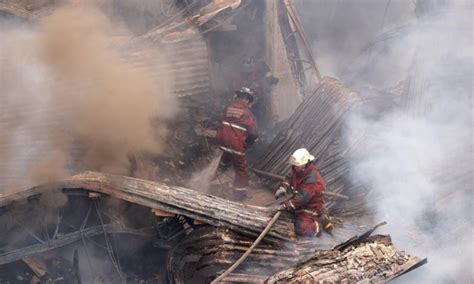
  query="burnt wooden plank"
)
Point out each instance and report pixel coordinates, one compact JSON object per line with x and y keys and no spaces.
{"x":246,"y":219}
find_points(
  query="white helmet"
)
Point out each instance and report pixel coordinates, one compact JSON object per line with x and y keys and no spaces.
{"x":247,"y":92}
{"x":301,"y":157}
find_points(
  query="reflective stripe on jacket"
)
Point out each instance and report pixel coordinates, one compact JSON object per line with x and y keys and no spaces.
{"x":238,"y":124}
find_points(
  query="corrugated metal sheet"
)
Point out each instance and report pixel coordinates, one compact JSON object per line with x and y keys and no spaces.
{"x":185,"y":61}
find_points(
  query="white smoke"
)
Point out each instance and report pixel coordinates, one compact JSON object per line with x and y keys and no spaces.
{"x":201,"y":180}
{"x":418,"y":161}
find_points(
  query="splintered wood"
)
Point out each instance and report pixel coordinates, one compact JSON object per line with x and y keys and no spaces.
{"x":208,"y":251}
{"x":374,"y":260}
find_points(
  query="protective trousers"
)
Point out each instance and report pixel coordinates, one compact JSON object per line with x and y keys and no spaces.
{"x":239,"y":163}
{"x":307,"y":225}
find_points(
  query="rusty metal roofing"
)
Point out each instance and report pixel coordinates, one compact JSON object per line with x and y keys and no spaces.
{"x":185,"y":62}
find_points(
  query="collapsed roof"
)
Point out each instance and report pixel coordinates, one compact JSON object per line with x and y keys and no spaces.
{"x":191,"y":63}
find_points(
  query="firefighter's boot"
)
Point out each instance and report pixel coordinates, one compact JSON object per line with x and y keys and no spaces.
{"x":240,"y":193}
{"x":326,"y":223}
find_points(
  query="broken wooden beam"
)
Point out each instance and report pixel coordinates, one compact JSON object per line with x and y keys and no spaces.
{"x":37,"y":266}
{"x":245,"y":219}
{"x":244,"y":278}
{"x":358,"y":239}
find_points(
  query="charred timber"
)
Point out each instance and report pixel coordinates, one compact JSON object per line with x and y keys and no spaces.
{"x":244,"y":219}
{"x":208,"y":251}
{"x":373,"y":260}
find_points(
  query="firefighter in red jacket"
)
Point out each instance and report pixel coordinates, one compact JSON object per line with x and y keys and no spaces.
{"x":238,"y":129}
{"x":307,"y":184}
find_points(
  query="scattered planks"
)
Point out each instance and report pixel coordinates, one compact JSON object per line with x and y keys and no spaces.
{"x":208,"y":251}
{"x":245,"y":219}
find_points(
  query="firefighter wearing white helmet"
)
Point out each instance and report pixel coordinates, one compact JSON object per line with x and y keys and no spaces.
{"x":247,"y":93}
{"x":307,"y":184}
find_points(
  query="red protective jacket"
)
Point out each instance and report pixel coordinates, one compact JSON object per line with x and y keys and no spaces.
{"x":239,"y":116}
{"x":309,"y":186}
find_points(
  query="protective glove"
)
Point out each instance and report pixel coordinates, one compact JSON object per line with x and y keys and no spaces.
{"x":281,"y":207}
{"x":326,"y":223}
{"x":281,"y":191}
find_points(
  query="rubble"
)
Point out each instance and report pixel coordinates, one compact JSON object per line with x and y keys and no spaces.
{"x":199,"y":250}
{"x":149,"y":230}
{"x":207,"y":251}
{"x":373,"y":260}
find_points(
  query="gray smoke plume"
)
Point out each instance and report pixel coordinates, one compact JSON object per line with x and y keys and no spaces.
{"x":341,"y":29}
{"x":418,"y":160}
{"x":418,"y":157}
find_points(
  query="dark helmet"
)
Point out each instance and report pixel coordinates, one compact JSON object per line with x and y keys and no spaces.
{"x":245,"y":92}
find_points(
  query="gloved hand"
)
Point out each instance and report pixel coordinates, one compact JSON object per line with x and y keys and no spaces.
{"x":280,"y":192}
{"x":326,"y":223}
{"x":281,"y":207}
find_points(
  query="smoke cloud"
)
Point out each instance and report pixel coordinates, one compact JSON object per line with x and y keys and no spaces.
{"x":340,"y":30}
{"x":70,"y":101}
{"x":418,"y":161}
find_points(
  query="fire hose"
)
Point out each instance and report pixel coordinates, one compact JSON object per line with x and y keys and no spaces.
{"x":249,"y":250}
{"x":278,"y":177}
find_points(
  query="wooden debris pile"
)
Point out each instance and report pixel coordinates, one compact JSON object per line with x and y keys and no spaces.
{"x":374,"y":260}
{"x":207,"y":251}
